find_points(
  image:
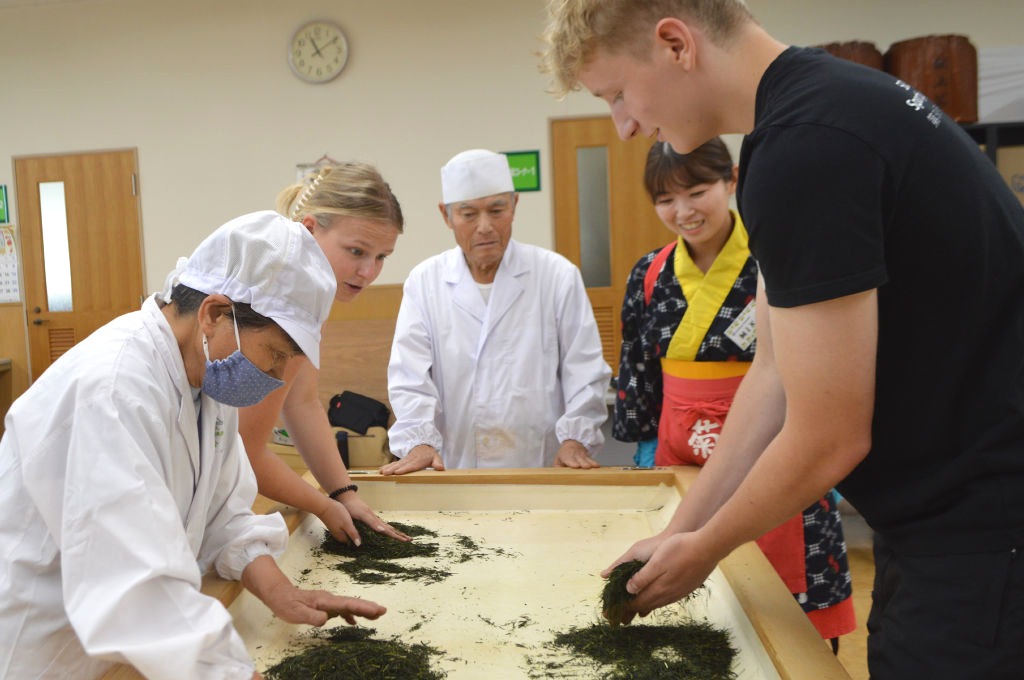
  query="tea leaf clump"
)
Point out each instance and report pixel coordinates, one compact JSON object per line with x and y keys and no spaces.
{"x":344,"y":653}
{"x":615,"y":597}
{"x":690,"y":651}
{"x":371,"y":561}
{"x":381,"y":547}
{"x":694,"y":650}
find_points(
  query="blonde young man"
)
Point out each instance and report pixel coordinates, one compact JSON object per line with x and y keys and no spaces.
{"x":496,"y":360}
{"x":878,"y":368}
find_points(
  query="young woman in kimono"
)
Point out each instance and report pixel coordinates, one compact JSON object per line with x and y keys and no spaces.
{"x":688,"y":338}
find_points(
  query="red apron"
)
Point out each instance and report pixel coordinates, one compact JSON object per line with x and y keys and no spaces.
{"x":696,"y":398}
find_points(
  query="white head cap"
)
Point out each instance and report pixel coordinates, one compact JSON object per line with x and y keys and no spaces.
{"x":271,"y":263}
{"x":474,"y":174}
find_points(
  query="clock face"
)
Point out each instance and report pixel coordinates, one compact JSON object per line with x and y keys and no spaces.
{"x":318,"y":52}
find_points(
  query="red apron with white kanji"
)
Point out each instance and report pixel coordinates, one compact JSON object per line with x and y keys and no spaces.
{"x":696,"y":398}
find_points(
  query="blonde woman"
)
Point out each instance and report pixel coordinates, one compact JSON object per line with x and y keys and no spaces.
{"x":356,"y":219}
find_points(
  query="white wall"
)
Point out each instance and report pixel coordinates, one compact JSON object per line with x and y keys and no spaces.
{"x":203,"y":90}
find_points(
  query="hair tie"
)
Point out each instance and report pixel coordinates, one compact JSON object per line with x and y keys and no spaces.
{"x":306,"y":194}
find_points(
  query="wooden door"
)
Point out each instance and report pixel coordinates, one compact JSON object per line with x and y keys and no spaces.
{"x":79,"y":217}
{"x":633,"y":228}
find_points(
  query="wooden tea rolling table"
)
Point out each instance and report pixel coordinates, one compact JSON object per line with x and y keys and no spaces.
{"x":785,"y":640}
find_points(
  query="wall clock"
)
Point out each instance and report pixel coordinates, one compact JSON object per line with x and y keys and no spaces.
{"x":318,"y":51}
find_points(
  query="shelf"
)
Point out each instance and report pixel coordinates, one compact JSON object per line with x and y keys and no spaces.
{"x":995,"y":135}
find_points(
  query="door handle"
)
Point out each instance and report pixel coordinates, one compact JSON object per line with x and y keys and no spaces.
{"x":40,"y":322}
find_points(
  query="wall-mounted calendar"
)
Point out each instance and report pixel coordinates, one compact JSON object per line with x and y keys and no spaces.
{"x":10,"y":291}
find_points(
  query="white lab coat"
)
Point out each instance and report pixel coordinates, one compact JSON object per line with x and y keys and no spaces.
{"x":113,"y":507}
{"x":499,"y":383}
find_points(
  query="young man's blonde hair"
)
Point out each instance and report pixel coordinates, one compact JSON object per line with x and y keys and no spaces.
{"x":577,"y":28}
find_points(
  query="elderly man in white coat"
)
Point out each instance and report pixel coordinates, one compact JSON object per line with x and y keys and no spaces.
{"x":496,"y":360}
{"x":123,"y":478}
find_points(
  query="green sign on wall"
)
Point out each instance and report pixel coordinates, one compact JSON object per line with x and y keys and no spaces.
{"x":525,"y":166}
{"x":3,"y":204}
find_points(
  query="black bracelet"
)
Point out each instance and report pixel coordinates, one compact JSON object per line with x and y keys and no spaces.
{"x":337,"y":492}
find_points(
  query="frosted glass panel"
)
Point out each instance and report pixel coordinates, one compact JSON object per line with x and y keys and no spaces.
{"x":595,"y":228}
{"x":56,"y":258}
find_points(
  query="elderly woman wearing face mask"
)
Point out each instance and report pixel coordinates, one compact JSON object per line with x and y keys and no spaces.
{"x":123,"y":477}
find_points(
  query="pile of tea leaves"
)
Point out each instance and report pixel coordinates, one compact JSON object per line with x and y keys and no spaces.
{"x":346,"y":653}
{"x":380,"y":546}
{"x":373,"y":561}
{"x":688,"y":651}
{"x":691,"y":650}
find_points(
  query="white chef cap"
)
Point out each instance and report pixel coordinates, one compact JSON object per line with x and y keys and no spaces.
{"x":270,"y":263}
{"x":474,"y":174}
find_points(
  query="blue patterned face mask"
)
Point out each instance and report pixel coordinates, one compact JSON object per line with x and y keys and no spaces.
{"x":236,"y":381}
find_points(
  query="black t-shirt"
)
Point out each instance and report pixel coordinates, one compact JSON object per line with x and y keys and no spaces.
{"x":851,"y":181}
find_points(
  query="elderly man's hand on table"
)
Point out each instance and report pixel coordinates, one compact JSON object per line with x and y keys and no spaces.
{"x":572,"y":454}
{"x":419,"y":458}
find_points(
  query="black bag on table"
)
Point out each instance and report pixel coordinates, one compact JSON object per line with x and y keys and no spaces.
{"x":357,"y":412}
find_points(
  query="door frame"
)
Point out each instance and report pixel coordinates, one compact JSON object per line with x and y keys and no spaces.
{"x":634,"y":226}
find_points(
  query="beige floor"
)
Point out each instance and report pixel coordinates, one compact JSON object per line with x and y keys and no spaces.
{"x":853,"y":647}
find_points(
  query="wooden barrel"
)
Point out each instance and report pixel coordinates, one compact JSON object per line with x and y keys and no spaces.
{"x":859,"y":51}
{"x":943,"y":68}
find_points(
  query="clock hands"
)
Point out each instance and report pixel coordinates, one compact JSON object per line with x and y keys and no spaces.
{"x":315,"y":48}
